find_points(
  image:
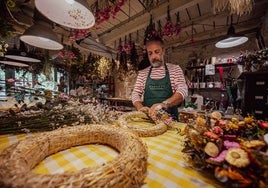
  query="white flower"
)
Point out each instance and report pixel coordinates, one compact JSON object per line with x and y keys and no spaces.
{"x":237,"y":157}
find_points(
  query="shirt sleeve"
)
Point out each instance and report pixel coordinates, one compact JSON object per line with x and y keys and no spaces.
{"x":138,"y":89}
{"x":179,"y":83}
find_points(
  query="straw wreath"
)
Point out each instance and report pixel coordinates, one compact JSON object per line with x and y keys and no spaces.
{"x":157,"y":129}
{"x":128,"y":169}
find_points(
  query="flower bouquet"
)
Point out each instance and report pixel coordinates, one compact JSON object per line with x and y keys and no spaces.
{"x":234,"y":151}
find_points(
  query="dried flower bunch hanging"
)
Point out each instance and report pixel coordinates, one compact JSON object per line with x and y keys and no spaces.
{"x":105,"y":9}
{"x":151,"y":31}
{"x":78,"y":34}
{"x":149,"y":4}
{"x":254,"y":61}
{"x":104,"y":68}
{"x":168,"y":27}
{"x":238,"y":7}
{"x":168,"y":30}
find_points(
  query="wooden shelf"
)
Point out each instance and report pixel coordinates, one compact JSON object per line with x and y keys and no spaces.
{"x":216,"y":65}
{"x":207,"y":89}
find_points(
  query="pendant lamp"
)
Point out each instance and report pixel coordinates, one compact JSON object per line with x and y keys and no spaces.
{"x":41,"y":34}
{"x":13,"y":63}
{"x":70,"y":13}
{"x":21,"y":54}
{"x":231,"y":39}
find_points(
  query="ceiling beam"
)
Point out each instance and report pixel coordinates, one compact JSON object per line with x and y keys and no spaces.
{"x":242,"y":28}
{"x":141,"y":20}
{"x":203,"y":39}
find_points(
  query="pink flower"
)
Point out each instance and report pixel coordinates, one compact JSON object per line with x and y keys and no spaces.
{"x":168,"y":121}
{"x":220,"y":158}
{"x":228,"y":144}
{"x":120,"y":48}
{"x":177,"y":29}
{"x":10,"y":80}
{"x":168,"y":29}
{"x":217,"y":130}
{"x":230,"y":137}
{"x":211,"y":135}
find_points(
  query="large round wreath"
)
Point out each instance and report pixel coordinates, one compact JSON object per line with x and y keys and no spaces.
{"x":157,"y":129}
{"x":128,"y":169}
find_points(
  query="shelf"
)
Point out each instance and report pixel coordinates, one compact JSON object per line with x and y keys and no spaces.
{"x":247,"y":74}
{"x":207,"y":89}
{"x":216,"y":65}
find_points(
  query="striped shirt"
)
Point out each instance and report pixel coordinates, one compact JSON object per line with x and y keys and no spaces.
{"x":177,"y":80}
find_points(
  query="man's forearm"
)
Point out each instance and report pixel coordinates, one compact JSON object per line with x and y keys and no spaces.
{"x":175,"y":99}
{"x":138,"y":105}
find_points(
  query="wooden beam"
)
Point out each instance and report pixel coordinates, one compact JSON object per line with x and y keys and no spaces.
{"x":204,"y":37}
{"x":141,"y":20}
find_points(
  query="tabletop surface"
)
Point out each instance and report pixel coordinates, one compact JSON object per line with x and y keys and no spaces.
{"x":166,"y":164}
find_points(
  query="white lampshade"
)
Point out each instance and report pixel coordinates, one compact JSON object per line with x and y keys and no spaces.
{"x":23,"y":58}
{"x":13,"y":63}
{"x":232,"y":39}
{"x":41,"y":36}
{"x":21,"y":54}
{"x":70,"y":13}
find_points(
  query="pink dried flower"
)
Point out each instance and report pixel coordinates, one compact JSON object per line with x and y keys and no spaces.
{"x":230,"y":137}
{"x":120,"y":48}
{"x":211,"y":135}
{"x":11,"y":80}
{"x":168,"y":29}
{"x":217,"y":130}
{"x":168,"y":121}
{"x":177,"y":29}
{"x":220,"y":158}
{"x":228,"y":144}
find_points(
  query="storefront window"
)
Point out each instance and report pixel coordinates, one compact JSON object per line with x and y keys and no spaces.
{"x":2,"y":84}
{"x":23,"y":78}
{"x":46,"y":83}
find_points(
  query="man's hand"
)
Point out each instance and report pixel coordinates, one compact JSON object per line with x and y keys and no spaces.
{"x":154,"y":109}
{"x":145,"y":109}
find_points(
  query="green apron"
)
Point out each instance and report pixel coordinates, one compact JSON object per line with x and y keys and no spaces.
{"x":156,"y":91}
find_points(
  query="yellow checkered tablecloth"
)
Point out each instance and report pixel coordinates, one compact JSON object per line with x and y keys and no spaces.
{"x":166,"y":166}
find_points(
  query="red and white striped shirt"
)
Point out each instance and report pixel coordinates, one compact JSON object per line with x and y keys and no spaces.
{"x":177,"y":80}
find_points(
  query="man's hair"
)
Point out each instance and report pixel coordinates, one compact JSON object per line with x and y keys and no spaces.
{"x":154,"y":39}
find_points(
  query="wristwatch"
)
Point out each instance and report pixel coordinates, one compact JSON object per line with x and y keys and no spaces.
{"x":167,"y":104}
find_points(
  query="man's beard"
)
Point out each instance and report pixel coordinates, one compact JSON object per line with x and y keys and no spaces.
{"x":156,"y":63}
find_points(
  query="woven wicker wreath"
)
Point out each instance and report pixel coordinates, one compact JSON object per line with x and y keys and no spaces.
{"x":157,"y":129}
{"x":128,"y":169}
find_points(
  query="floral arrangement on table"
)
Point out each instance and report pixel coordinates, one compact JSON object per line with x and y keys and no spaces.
{"x":54,"y":113}
{"x":3,"y":48}
{"x":235,"y":151}
{"x":253,"y":61}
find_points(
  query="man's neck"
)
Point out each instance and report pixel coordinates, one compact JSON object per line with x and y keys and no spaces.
{"x":160,"y":67}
